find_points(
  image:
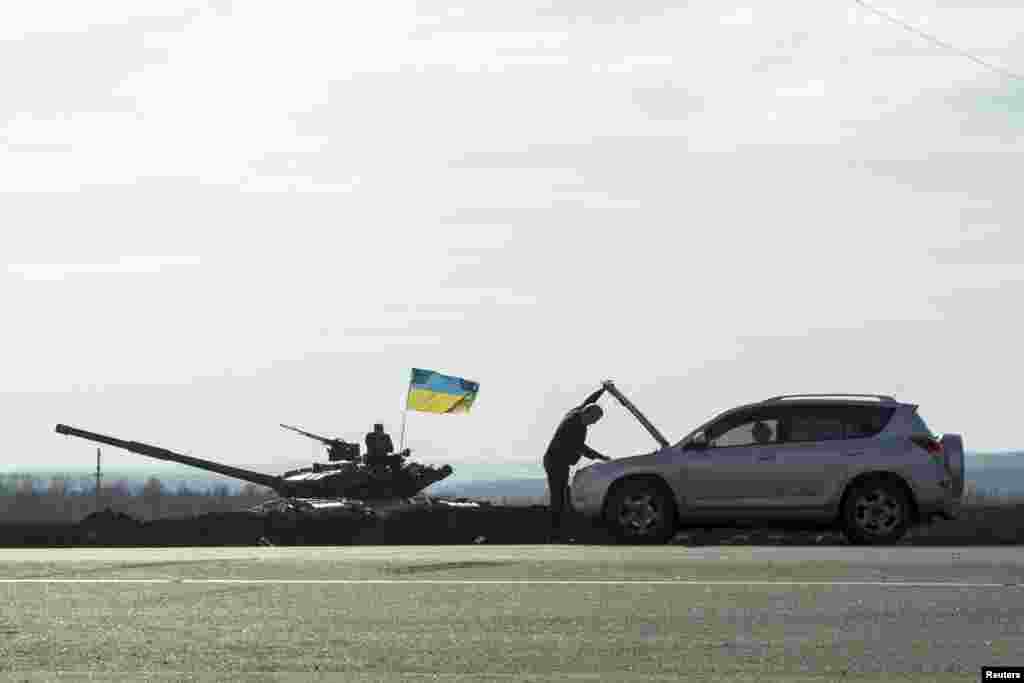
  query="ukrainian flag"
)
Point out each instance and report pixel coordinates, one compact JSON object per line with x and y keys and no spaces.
{"x":432,"y":392}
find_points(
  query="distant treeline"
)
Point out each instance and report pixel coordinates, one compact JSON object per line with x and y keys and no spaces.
{"x":28,"y":499}
{"x":79,"y":484}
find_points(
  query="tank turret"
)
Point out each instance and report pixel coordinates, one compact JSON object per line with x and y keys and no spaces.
{"x":337,"y":449}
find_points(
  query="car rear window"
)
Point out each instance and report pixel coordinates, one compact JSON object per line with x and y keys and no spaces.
{"x":865,"y":421}
{"x":918,"y":425}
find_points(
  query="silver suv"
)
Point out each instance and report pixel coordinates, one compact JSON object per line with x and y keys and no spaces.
{"x":867,"y":464}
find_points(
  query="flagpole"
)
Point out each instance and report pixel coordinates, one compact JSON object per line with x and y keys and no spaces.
{"x":405,"y":413}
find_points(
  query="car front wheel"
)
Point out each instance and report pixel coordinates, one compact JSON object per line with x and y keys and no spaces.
{"x":641,"y":511}
{"x":876,"y":512}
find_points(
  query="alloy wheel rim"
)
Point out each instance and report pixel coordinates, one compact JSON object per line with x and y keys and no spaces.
{"x":639,"y":515}
{"x":876,"y":513}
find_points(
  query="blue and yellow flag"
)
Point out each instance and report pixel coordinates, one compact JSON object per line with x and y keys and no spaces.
{"x":432,"y":392}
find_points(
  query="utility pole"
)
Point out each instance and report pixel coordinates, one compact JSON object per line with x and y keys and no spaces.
{"x":98,"y":476}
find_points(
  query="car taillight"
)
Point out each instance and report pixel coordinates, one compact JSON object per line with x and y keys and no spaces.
{"x":931,"y":445}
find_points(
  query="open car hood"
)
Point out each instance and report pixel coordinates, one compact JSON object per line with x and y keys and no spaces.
{"x":641,"y":418}
{"x":610,"y":387}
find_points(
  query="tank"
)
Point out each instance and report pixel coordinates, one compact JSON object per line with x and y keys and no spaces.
{"x":394,"y":477}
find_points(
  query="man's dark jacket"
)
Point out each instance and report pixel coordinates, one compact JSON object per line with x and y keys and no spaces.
{"x":568,"y":442}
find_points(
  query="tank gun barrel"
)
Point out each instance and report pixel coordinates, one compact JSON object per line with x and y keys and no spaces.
{"x":164,"y":454}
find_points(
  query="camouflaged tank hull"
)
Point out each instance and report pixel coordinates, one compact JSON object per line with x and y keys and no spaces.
{"x":359,"y":481}
{"x":298,"y":509}
{"x":315,"y":508}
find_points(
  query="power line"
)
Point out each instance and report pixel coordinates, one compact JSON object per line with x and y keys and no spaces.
{"x":941,"y":43}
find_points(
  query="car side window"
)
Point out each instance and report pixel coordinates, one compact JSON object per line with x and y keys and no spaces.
{"x":815,"y":423}
{"x":745,"y":430}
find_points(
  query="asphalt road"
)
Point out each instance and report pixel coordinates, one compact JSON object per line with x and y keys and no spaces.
{"x":519,"y":612}
{"x":1002,"y":565}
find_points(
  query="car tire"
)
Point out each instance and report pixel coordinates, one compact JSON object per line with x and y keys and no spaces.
{"x":876,"y":512}
{"x":641,"y":511}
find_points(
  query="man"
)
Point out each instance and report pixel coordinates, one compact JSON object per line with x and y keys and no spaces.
{"x":565,"y":450}
{"x":378,"y":446}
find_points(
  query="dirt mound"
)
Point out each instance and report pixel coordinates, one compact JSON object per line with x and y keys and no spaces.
{"x":108,"y":524}
{"x":107,"y":517}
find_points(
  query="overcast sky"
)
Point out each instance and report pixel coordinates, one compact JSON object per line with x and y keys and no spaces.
{"x":221,"y":216}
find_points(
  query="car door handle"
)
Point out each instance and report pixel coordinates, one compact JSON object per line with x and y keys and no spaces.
{"x":766,"y":457}
{"x":853,"y":454}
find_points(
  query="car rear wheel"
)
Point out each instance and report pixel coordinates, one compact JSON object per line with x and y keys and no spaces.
{"x":876,"y":512}
{"x":641,"y":511}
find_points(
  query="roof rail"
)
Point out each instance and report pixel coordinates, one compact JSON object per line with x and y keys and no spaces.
{"x":880,"y":397}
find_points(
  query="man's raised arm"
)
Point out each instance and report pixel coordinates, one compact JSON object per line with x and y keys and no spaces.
{"x":592,"y":398}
